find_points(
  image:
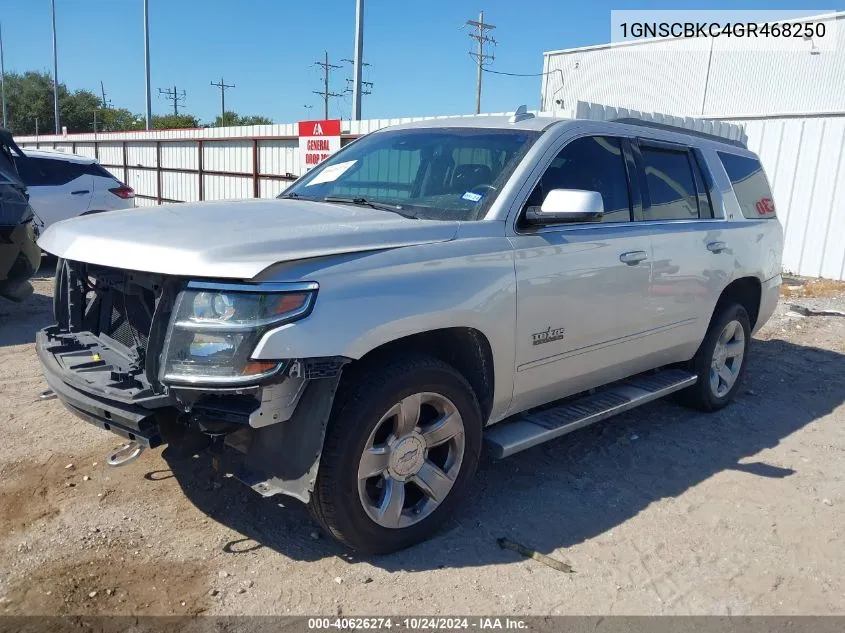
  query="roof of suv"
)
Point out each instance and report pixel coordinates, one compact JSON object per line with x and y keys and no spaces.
{"x":542,"y":123}
{"x":58,"y":155}
{"x":483,"y":121}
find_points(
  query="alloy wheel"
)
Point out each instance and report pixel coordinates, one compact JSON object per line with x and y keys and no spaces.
{"x":411,"y":460}
{"x":727,"y":359}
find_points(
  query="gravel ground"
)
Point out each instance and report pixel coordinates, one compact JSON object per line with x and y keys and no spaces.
{"x":659,"y":511}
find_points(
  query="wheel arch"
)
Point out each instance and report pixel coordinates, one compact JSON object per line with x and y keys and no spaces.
{"x":467,"y":349}
{"x":747,"y":291}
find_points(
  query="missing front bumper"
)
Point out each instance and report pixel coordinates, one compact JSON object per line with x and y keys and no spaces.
{"x":279,"y":436}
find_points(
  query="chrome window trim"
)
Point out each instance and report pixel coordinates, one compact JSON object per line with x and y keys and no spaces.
{"x":580,"y":226}
{"x":175,"y":380}
{"x":262,"y":286}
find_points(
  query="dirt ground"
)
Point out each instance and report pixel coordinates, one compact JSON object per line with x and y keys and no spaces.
{"x":659,"y":511}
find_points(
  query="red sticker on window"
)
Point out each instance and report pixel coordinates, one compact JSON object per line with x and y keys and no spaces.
{"x":765,"y":206}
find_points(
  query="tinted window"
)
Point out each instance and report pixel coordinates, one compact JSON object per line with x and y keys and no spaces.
{"x":429,"y":173}
{"x":750,"y":185}
{"x":95,"y":169}
{"x":45,"y":172}
{"x":671,"y":185}
{"x":592,"y":163}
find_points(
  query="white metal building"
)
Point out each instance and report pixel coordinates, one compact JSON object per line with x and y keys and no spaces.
{"x":791,"y":101}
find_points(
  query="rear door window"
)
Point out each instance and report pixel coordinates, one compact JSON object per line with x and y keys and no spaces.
{"x":670,"y":183}
{"x":750,"y":185}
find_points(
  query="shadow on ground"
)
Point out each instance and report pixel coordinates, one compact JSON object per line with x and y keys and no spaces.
{"x":20,"y":321}
{"x":574,"y":488}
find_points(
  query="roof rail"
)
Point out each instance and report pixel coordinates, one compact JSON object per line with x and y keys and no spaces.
{"x":680,"y":130}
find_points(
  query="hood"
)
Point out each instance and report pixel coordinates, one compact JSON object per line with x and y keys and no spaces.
{"x":233,"y":239}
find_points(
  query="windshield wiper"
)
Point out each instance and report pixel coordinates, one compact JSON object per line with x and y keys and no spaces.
{"x":369,"y":203}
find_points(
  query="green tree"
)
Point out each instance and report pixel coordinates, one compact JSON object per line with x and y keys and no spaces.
{"x":29,"y":96}
{"x":77,"y":110}
{"x":119,"y":119}
{"x":229,"y":119}
{"x":174,"y":121}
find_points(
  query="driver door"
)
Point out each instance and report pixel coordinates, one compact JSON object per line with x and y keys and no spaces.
{"x":582,"y":288}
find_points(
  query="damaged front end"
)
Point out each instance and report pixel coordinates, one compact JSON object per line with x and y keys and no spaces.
{"x":159,"y":359}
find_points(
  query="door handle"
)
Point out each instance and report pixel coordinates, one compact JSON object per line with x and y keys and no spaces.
{"x":79,"y":192}
{"x":632,"y":258}
{"x":716,"y":247}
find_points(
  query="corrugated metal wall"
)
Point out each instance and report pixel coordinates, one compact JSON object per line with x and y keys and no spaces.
{"x":805,"y":161}
{"x":791,"y":102}
{"x":730,"y":77}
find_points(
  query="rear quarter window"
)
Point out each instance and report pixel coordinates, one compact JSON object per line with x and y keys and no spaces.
{"x":750,"y":185}
{"x":95,"y":169}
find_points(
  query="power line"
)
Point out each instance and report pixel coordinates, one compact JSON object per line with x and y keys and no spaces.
{"x":366,"y":86}
{"x":479,"y":36}
{"x":222,"y":85}
{"x":544,"y":74}
{"x":499,"y":72}
{"x":325,"y":92}
{"x":175,"y":96}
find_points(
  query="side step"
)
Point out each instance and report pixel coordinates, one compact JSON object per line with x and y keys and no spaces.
{"x":540,"y":426}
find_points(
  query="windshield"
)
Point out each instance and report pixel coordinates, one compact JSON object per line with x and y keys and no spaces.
{"x":435,"y":174}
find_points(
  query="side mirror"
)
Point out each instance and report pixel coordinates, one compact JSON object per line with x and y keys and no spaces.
{"x":567,"y":205}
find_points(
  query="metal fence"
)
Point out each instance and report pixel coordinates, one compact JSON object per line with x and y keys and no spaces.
{"x":204,"y":164}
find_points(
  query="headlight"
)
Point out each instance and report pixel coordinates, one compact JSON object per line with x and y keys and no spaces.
{"x":214,"y":329}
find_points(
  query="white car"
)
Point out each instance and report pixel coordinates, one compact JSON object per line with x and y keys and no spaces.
{"x":63,"y":185}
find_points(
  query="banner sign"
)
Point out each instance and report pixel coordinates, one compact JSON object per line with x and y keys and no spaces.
{"x":317,"y":141}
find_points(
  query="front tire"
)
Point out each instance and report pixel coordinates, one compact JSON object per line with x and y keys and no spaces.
{"x":721,"y":360}
{"x":400,"y":451}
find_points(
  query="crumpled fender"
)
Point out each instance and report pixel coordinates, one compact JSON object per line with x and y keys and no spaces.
{"x":284,"y":458}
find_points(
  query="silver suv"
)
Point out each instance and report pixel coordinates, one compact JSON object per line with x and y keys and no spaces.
{"x":430,"y":288}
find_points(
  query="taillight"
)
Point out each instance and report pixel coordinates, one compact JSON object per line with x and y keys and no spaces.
{"x":123,"y":191}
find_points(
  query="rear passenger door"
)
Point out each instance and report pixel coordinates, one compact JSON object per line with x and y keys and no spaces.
{"x":582,"y":287}
{"x":691,"y":257}
{"x":57,"y":189}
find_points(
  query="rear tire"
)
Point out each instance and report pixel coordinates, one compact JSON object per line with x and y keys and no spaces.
{"x":401,"y":448}
{"x":720,"y":361}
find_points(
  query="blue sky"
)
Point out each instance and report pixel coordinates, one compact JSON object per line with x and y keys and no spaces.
{"x":417,"y":50}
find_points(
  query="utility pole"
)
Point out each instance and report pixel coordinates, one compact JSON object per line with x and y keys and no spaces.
{"x":222,"y":85}
{"x":55,"y":69}
{"x":479,"y":54}
{"x":103,"y":93}
{"x":3,"y":79}
{"x":325,"y":93}
{"x":175,"y":96}
{"x":366,"y":87}
{"x":358,"y":62}
{"x":149,"y":115}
